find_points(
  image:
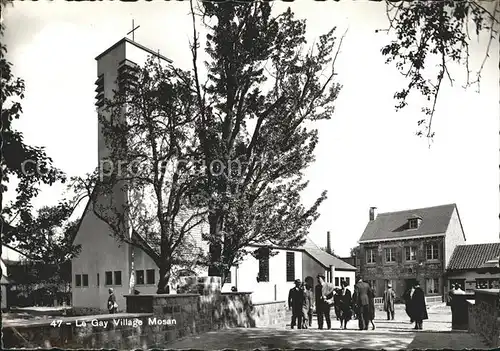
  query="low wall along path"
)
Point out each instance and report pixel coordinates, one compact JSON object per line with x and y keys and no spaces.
{"x":151,"y":320}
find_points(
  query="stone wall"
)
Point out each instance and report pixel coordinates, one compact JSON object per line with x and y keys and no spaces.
{"x":88,"y":332}
{"x":484,"y":315}
{"x":270,"y":314}
{"x":151,"y":320}
{"x":87,"y":311}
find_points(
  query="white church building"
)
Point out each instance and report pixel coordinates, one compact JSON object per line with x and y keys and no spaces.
{"x":105,"y":263}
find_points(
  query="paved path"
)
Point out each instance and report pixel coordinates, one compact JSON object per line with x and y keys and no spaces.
{"x":397,"y":334}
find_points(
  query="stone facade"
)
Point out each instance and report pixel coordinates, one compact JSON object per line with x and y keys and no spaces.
{"x":402,"y":270}
{"x":484,"y":316}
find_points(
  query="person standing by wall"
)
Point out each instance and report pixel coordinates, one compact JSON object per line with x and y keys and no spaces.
{"x":112,"y":305}
{"x":295,"y":302}
{"x":389,"y":297}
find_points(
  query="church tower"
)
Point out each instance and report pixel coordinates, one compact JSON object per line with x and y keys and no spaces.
{"x":116,"y":67}
{"x":104,"y":262}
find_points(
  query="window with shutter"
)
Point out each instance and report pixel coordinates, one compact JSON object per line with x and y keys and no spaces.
{"x":290,"y":266}
{"x":108,"y":278}
{"x":118,"y":277}
{"x":150,"y":276}
{"x":264,"y":264}
{"x":139,"y":277}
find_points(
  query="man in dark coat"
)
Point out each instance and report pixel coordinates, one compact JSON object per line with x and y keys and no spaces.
{"x":322,"y":293}
{"x":362,"y":301}
{"x":295,"y":303}
{"x":418,"y":307}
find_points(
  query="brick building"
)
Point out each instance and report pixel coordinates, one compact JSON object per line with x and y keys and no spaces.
{"x":400,"y":247}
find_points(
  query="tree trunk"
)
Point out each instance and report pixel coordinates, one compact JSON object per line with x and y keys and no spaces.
{"x":215,"y":248}
{"x":215,"y":255}
{"x":163,"y":287}
{"x":223,"y":275}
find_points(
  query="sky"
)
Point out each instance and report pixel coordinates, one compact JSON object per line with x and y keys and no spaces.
{"x":368,"y":154}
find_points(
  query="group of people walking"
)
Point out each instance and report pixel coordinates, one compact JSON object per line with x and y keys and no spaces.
{"x":359,"y":305}
{"x":345,"y":304}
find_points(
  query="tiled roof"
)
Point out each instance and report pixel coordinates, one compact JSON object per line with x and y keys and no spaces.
{"x":394,"y":225}
{"x":319,"y":255}
{"x":473,"y":256}
{"x":494,"y":263}
{"x":324,"y":258}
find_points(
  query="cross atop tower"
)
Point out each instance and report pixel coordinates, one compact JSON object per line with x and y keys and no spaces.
{"x":133,"y":30}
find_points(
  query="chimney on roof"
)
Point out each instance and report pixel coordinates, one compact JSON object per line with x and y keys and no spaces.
{"x":328,"y":243}
{"x":373,"y":213}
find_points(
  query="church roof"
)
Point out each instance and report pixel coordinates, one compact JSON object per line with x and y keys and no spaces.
{"x":142,"y":47}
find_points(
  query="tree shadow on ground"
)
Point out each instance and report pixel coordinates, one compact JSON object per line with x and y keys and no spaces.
{"x":265,"y":339}
{"x":456,"y":341}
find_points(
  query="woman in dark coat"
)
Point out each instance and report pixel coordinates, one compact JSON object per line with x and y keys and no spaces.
{"x":371,"y":306}
{"x":345,"y":305}
{"x":336,"y":304}
{"x":418,"y":307}
{"x":407,"y":298}
{"x":355,"y":307}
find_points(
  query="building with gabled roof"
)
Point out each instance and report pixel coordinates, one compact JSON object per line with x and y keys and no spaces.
{"x":270,"y":277}
{"x":475,"y":266}
{"x":403,"y":246}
